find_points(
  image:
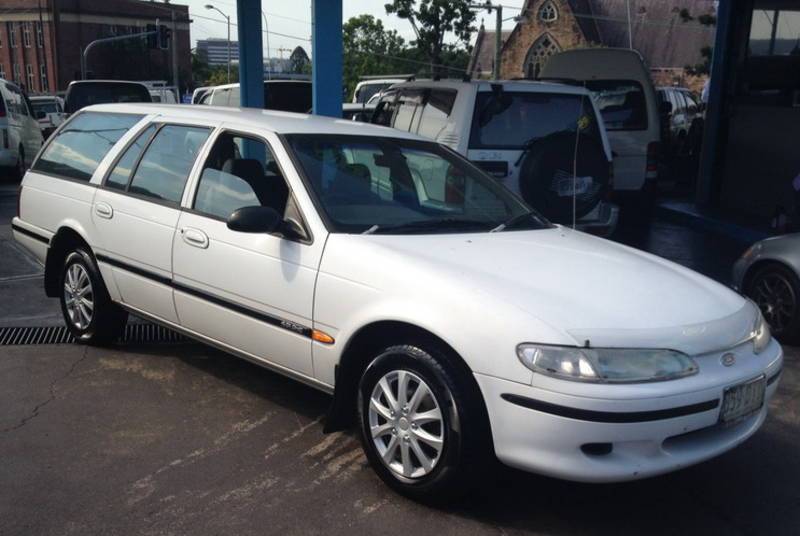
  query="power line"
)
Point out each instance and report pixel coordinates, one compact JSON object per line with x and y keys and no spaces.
{"x":263,"y":31}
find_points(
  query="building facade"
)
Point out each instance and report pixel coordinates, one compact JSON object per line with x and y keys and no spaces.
{"x":215,"y":51}
{"x":41,"y":41}
{"x":666,"y":32}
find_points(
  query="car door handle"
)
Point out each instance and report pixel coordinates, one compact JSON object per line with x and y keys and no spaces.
{"x":195,"y":237}
{"x":104,"y":210}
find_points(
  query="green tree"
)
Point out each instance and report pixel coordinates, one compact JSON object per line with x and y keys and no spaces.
{"x":370,"y":49}
{"x":431,"y":21}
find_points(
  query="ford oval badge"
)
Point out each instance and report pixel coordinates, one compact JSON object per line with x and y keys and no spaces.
{"x":728,"y":359}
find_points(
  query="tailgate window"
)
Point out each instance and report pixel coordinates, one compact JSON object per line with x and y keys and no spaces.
{"x":511,"y":119}
{"x":622,"y":103}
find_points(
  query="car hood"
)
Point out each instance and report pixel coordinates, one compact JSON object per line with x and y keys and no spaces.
{"x":587,"y":287}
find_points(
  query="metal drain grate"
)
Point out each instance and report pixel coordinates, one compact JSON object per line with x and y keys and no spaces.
{"x":134,"y":333}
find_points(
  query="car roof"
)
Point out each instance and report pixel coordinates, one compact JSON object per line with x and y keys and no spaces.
{"x":270,"y":120}
{"x":275,"y":81}
{"x":508,"y":85}
{"x":82,"y":82}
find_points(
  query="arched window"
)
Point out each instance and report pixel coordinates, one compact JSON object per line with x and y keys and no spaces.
{"x":540,"y":50}
{"x":548,"y":12}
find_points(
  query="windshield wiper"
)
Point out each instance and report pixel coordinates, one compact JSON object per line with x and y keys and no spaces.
{"x":519,"y":218}
{"x":425,"y":225}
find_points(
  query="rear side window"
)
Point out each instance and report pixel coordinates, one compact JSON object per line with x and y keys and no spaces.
{"x":435,"y":113}
{"x":80,"y":146}
{"x":165,"y":165}
{"x":119,"y":176}
{"x":287,"y":96}
{"x":85,"y":94}
{"x":409,"y":102}
{"x":622,"y":103}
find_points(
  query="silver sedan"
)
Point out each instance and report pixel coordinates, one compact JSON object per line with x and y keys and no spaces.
{"x":769,"y":273}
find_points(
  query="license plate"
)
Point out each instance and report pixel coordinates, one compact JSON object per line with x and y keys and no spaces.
{"x":742,"y":400}
{"x":565,"y":184}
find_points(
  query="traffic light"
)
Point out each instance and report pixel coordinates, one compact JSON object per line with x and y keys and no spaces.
{"x":164,"y":35}
{"x":152,"y":38}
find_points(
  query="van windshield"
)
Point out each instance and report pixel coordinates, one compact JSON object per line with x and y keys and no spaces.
{"x":48,"y":107}
{"x":513,"y":119}
{"x":82,"y":95}
{"x":622,"y":103}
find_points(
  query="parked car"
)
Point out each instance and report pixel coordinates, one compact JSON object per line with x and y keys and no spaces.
{"x":627,"y":100}
{"x":49,"y":112}
{"x":284,"y":95}
{"x":82,"y":93}
{"x":522,"y":133}
{"x":20,"y":136}
{"x":433,"y":303}
{"x":165,"y":95}
{"x":369,"y":86}
{"x":682,"y":121}
{"x":769,"y":273}
{"x":199,"y":92}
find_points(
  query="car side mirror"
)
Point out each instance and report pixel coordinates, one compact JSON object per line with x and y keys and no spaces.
{"x":254,"y":220}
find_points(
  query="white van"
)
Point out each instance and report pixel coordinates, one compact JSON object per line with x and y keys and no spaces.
{"x":20,"y":136}
{"x":626,"y":98}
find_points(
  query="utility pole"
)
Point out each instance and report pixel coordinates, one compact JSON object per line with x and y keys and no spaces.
{"x":498,"y":33}
{"x":282,"y":50}
{"x":174,"y":47}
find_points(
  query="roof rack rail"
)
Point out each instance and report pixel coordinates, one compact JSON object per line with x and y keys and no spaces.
{"x":406,"y":77}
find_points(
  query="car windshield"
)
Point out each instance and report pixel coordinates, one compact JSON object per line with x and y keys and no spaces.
{"x":621,"y":102}
{"x":48,"y":107}
{"x":387,"y":185}
{"x":511,"y":119}
{"x":82,"y":95}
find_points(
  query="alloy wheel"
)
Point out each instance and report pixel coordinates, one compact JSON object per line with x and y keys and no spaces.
{"x":406,"y":425}
{"x":775,"y":296}
{"x":78,"y":296}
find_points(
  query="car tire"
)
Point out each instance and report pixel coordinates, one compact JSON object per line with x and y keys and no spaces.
{"x":776,"y":290}
{"x":88,"y":311}
{"x":433,"y":449}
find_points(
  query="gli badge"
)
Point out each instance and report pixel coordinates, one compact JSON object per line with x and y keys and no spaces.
{"x":728,"y":359}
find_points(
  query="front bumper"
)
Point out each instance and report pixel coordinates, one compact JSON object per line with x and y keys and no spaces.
{"x":541,"y":431}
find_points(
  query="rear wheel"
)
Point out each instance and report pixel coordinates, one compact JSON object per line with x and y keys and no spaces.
{"x":88,"y":311}
{"x":421,"y":432}
{"x":776,"y":290}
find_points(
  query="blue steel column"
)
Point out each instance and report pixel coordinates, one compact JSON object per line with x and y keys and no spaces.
{"x":710,"y":157}
{"x":326,"y":61}
{"x":251,"y":55}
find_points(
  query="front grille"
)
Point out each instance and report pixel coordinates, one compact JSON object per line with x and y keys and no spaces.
{"x":142,"y":333}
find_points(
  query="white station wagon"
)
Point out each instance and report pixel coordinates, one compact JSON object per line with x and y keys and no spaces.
{"x":448,"y":320}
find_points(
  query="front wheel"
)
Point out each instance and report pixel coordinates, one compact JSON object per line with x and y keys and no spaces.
{"x":776,"y":291}
{"x":88,"y":311}
{"x":420,"y":430}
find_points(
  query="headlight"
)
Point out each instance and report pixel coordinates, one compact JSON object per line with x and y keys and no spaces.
{"x":606,"y":365}
{"x":752,"y":251}
{"x":761,"y":334}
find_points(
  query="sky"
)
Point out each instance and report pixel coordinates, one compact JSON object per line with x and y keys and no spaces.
{"x":293,"y":18}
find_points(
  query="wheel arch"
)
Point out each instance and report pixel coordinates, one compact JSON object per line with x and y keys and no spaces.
{"x":757,"y":266}
{"x":65,"y":240}
{"x":361,"y":347}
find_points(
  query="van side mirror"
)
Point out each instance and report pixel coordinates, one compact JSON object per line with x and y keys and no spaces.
{"x":254,"y":220}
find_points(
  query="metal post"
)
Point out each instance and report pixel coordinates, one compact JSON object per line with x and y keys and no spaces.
{"x":498,"y":41}
{"x":251,"y":54}
{"x":269,"y":57}
{"x":174,"y":47}
{"x":630,"y":28}
{"x":90,"y":46}
{"x":326,"y":48}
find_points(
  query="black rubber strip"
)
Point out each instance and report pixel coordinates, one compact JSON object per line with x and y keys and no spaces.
{"x":288,"y":325}
{"x":135,"y":270}
{"x":35,"y":236}
{"x":609,"y":416}
{"x":772,"y":379}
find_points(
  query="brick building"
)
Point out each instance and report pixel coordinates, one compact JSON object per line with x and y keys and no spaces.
{"x":41,"y":41}
{"x":666,"y":33}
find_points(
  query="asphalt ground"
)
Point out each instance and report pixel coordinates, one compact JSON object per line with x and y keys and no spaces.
{"x":183,"y":439}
